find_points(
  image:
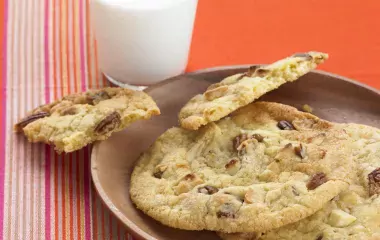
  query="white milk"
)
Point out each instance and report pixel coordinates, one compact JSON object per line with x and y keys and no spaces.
{"x":141,"y":42}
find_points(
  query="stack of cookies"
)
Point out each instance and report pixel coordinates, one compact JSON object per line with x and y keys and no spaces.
{"x":262,"y":170}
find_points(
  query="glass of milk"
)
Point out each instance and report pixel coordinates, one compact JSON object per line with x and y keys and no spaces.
{"x":141,"y":42}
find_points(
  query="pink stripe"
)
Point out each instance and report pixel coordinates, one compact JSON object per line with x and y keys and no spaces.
{"x":87,"y":220}
{"x":87,"y":207}
{"x":4,"y":118}
{"x":82,"y":60}
{"x":47,"y":148}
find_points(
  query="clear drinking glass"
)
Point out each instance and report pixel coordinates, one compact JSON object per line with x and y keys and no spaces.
{"x":141,"y":42}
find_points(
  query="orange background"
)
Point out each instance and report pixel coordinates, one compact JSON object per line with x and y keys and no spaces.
{"x":260,"y":31}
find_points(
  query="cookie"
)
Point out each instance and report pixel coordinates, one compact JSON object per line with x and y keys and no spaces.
{"x":264,"y":166}
{"x":82,"y":118}
{"x":220,"y":99}
{"x":354,"y":213}
{"x":332,"y":222}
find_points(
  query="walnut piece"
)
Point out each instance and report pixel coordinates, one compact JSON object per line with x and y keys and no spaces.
{"x":303,"y":55}
{"x":108,"y":124}
{"x":374,"y":182}
{"x":233,"y":166}
{"x":159,"y":171}
{"x":98,"y":97}
{"x":261,"y":72}
{"x":316,"y":180}
{"x":215,"y":93}
{"x":300,"y":151}
{"x":238,"y":140}
{"x":226,"y":211}
{"x":208,"y":190}
{"x":248,"y":197}
{"x":29,"y":119}
{"x":285,"y":125}
{"x":258,"y":137}
{"x":69,"y":111}
{"x":189,"y":181}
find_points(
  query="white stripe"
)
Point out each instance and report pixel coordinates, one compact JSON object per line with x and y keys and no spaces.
{"x":51,"y":97}
{"x":9,"y":136}
{"x":36,"y":101}
{"x":41,"y":78}
{"x":15,"y":80}
{"x":21,"y":96}
{"x":29,"y":222}
{"x":28,"y":160}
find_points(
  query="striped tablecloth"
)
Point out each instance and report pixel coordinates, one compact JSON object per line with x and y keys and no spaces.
{"x":48,"y":50}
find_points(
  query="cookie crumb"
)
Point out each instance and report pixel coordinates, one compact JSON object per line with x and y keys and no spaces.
{"x":307,"y":108}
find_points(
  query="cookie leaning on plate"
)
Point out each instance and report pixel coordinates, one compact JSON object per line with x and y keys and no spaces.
{"x":82,"y":118}
{"x":264,"y":166}
{"x":238,"y":90}
{"x":354,"y":213}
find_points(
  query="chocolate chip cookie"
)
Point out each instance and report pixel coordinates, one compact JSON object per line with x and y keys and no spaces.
{"x":264,"y":166}
{"x":82,"y":118}
{"x":238,"y":90}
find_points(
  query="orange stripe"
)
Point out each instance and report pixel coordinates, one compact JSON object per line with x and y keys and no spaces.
{"x":75,"y":23}
{"x":63,"y":184}
{"x":89,"y":67}
{"x":54,"y":54}
{"x":94,"y":214}
{"x":71,"y":198}
{"x":61,"y":46}
{"x":78,"y":194}
{"x":67,"y":48}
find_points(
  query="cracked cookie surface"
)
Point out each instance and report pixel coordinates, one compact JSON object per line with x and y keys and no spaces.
{"x":233,"y":92}
{"x":82,"y":118}
{"x":354,"y":213}
{"x":264,"y":166}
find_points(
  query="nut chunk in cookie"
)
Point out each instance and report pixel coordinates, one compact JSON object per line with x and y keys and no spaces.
{"x":233,"y":92}
{"x":79,"y":119}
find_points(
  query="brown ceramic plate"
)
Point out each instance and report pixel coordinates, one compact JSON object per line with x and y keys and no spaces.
{"x":332,"y":97}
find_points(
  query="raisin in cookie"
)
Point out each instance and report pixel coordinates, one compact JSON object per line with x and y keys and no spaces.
{"x":238,"y":90}
{"x":264,"y":166}
{"x":354,"y":213}
{"x":82,"y":118}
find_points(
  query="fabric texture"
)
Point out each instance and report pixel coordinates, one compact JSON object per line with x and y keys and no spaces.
{"x":48,"y":50}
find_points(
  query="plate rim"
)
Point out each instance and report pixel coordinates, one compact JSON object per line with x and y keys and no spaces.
{"x":131,"y":227}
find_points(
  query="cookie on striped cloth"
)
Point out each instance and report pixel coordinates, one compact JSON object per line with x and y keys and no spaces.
{"x":82,"y":118}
